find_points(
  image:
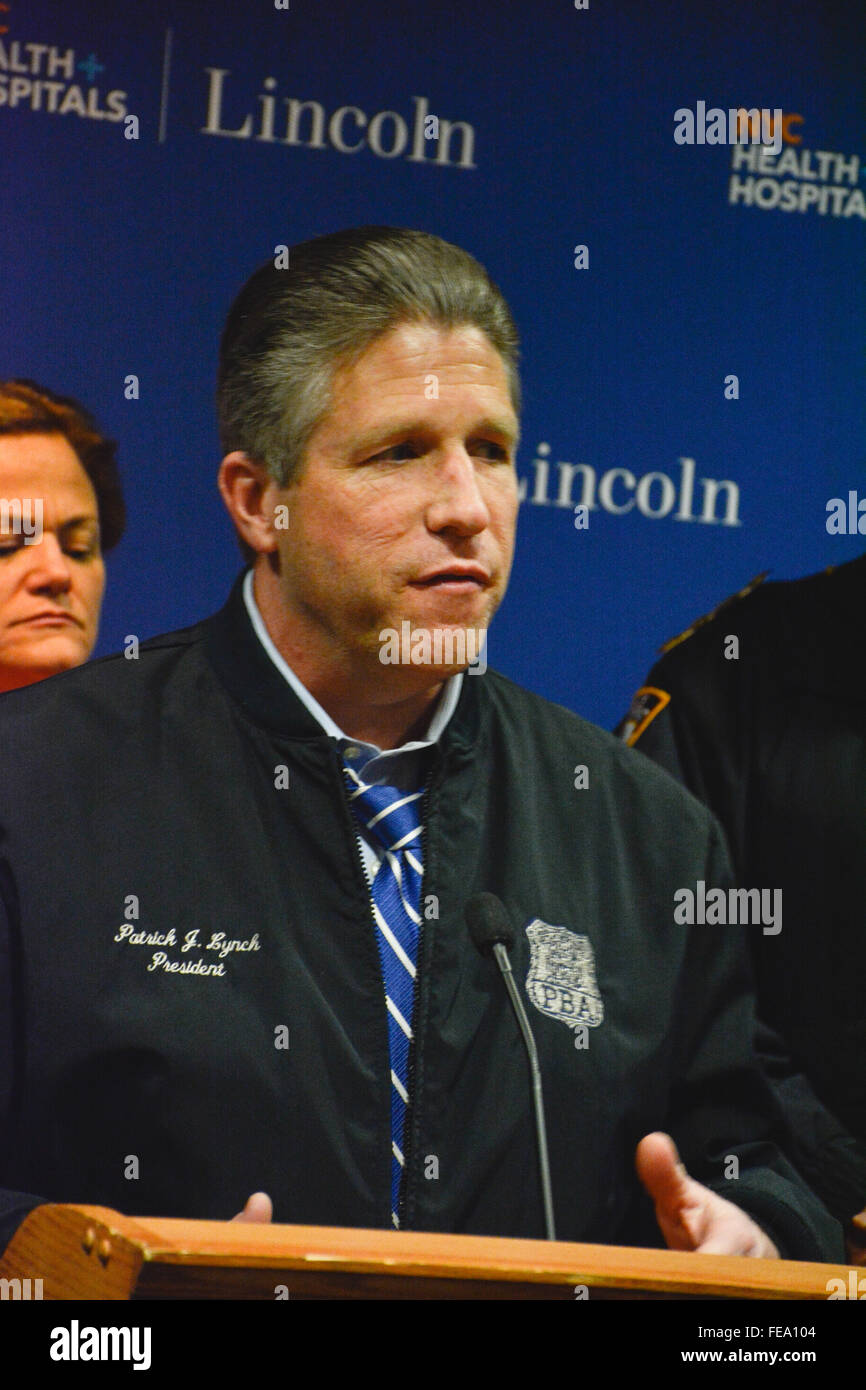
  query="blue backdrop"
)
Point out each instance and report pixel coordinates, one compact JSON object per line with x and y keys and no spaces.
{"x":121,"y":255}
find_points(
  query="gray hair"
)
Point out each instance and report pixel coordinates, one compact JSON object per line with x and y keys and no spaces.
{"x":289,"y":330}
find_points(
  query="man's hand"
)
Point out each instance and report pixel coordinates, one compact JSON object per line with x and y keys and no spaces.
{"x":259,"y":1207}
{"x":692,"y":1217}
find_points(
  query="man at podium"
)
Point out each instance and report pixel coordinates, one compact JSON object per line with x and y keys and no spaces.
{"x":237,"y":862}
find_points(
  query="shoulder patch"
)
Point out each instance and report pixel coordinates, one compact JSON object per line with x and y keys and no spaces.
{"x":647,"y":703}
{"x":708,"y":617}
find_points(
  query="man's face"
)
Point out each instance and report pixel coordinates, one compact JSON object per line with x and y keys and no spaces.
{"x":50,"y":591}
{"x":406,"y":505}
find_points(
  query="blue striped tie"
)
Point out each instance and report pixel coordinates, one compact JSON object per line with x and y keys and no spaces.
{"x":392,"y":816}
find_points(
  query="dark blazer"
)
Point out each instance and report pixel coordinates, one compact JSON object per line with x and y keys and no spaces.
{"x":141,"y":1063}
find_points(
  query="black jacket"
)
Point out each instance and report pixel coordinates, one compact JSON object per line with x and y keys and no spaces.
{"x":774,"y":742}
{"x":155,"y":781}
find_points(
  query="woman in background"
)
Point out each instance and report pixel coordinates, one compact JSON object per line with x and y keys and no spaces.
{"x":61,"y":509}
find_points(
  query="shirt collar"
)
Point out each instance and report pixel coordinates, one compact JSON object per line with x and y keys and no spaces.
{"x":445,"y":706}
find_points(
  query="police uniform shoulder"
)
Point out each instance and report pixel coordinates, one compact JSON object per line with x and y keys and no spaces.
{"x":776,"y":612}
{"x":840,"y":588}
{"x":787,"y":600}
{"x":784,"y":627}
{"x":690,"y":661}
{"x":725,"y":606}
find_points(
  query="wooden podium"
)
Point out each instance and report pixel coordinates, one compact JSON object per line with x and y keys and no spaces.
{"x":83,"y":1252}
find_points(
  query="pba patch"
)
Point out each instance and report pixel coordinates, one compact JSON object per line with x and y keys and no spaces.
{"x":647,"y":703}
{"x":561,"y":980}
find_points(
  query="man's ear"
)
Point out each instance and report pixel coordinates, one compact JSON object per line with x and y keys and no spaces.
{"x":251,"y":496}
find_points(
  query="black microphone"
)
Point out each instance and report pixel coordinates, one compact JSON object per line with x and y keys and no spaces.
{"x":493,"y":934}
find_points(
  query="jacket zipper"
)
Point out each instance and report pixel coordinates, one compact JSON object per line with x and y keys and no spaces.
{"x":402,"y":1195}
{"x":359,"y":845}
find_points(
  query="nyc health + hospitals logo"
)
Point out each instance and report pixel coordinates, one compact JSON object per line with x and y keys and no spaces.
{"x":815,"y":182}
{"x":55,"y":79}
